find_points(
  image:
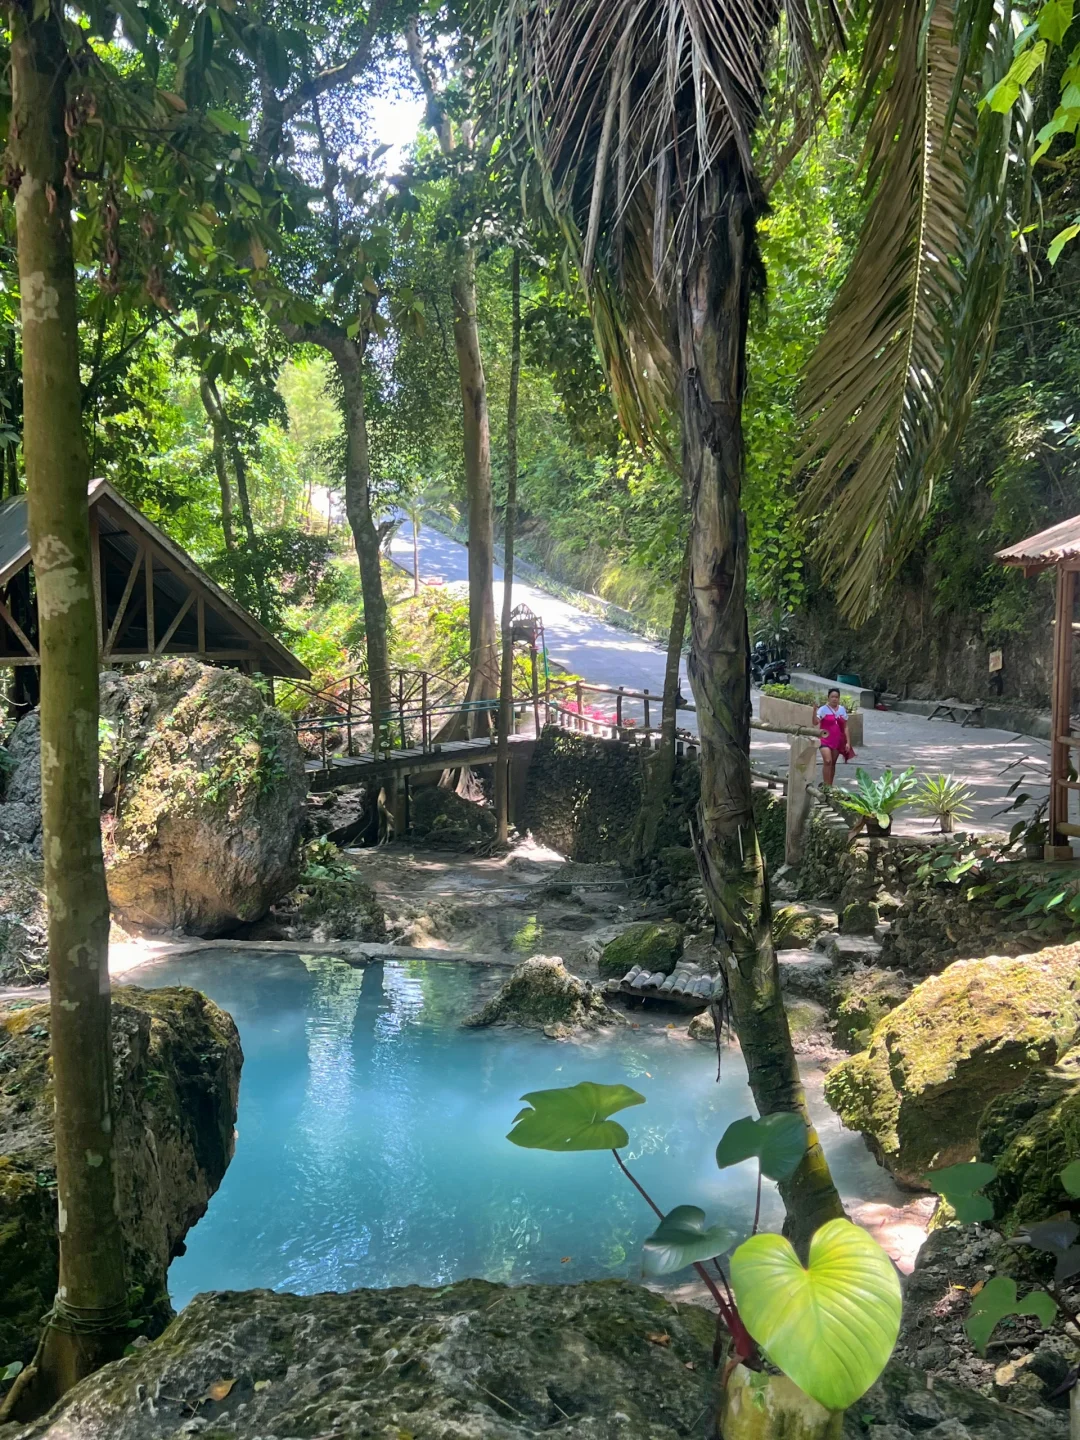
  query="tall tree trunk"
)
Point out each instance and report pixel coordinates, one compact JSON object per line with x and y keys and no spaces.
{"x":416,"y":552}
{"x":483,"y":649}
{"x":713,"y":305}
{"x":660,"y":774}
{"x":349,"y":358}
{"x":86,"y":1325}
{"x":217,"y":428}
{"x":506,"y":675}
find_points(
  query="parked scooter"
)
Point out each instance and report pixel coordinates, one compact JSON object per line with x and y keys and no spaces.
{"x":768,"y":667}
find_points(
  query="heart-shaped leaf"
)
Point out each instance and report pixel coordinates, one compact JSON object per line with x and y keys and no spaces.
{"x":573,"y":1118}
{"x":681,"y":1239}
{"x":831,"y":1326}
{"x":964,"y":1179}
{"x":777,"y":1142}
{"x":1070,"y":1178}
{"x":1054,"y":1235}
{"x":997,"y":1299}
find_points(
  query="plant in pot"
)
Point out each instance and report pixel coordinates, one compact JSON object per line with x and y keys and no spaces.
{"x":874,"y":802}
{"x":799,"y":1343}
{"x":945,"y":800}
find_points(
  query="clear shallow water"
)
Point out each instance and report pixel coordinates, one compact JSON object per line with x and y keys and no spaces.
{"x":371,"y":1144}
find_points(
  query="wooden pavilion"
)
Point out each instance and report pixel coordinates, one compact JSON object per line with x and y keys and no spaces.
{"x":152,"y":599}
{"x":1057,"y":548}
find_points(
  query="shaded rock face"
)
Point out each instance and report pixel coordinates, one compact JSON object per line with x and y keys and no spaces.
{"x":23,"y":920}
{"x":605,"y":1360}
{"x":938,"y":924}
{"x":541,"y":994}
{"x":1030,"y":1135}
{"x":862,"y":999}
{"x":332,"y":902}
{"x":209,"y":785}
{"x":448,"y":821}
{"x":651,"y":945}
{"x":20,"y":813}
{"x":177,"y":1070}
{"x":962,"y":1038}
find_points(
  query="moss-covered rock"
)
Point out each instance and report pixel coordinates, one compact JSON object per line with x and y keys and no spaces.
{"x":796,"y":926}
{"x":960,"y":1039}
{"x":825,"y":849}
{"x":208,"y":785}
{"x":653,"y":945}
{"x":861,"y":1000}
{"x":679,"y":864}
{"x":1030,"y":1135}
{"x":447,"y":821}
{"x":177,"y":1064}
{"x":861,"y":917}
{"x":332,"y":902}
{"x":541,"y":994}
{"x":770,"y":817}
{"x":606,"y":1360}
{"x":703,"y":1027}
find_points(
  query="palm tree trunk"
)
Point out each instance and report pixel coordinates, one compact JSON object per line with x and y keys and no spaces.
{"x":506,"y":675}
{"x":713,"y":306}
{"x":217,"y":428}
{"x":87,"y":1326}
{"x":349,"y":358}
{"x":483,"y":649}
{"x":660,"y":775}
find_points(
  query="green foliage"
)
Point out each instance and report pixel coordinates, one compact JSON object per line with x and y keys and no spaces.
{"x":878,"y":799}
{"x":943,"y":798}
{"x":682,"y":1239}
{"x":573,"y":1118}
{"x":830,"y":1326}
{"x":1070,"y":1178}
{"x":790,"y":692}
{"x":778,"y":1142}
{"x":997,"y":1300}
{"x":961,"y":1187}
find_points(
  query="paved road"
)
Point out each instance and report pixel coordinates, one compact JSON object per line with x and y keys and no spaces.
{"x":607,"y":655}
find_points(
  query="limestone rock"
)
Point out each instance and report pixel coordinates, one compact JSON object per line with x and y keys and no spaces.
{"x":807,"y":973}
{"x":963,"y":1037}
{"x":332,"y":902}
{"x":606,"y":1360}
{"x":702,"y":1028}
{"x":541,"y":994}
{"x":1030,"y":1135}
{"x":796,"y":926}
{"x":20,"y":813}
{"x":651,"y":945}
{"x":860,"y":918}
{"x":862,"y":999}
{"x":23,"y":940}
{"x":177,"y":1071}
{"x":209,"y":784}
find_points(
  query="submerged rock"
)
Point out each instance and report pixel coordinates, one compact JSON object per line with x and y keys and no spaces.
{"x":648,"y":944}
{"x":974,"y":1032}
{"x":541,"y":994}
{"x":208,"y":784}
{"x":605,"y":1360}
{"x":177,"y":1064}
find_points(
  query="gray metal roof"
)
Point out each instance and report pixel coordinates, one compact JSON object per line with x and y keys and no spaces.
{"x":14,"y":539}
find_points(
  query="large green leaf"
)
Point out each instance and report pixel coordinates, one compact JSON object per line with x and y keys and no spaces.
{"x":831,"y":1326}
{"x":778,"y":1142}
{"x":681,"y":1239}
{"x":573,"y":1118}
{"x":960,"y":1186}
{"x":1070,"y":1178}
{"x":997,"y":1299}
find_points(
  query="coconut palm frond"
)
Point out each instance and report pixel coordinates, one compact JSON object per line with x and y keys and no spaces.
{"x":630,"y":108}
{"x":886,"y":391}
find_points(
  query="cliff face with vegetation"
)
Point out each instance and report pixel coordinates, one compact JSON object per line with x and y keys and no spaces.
{"x":177,"y":1064}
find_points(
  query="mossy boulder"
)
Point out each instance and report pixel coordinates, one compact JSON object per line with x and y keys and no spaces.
{"x":542,"y":994}
{"x":208,"y":786}
{"x":1030,"y":1135}
{"x":653,"y":945}
{"x":861,"y":917}
{"x":679,"y":864}
{"x":974,"y":1032}
{"x":861,"y":1000}
{"x":448,"y":821}
{"x":177,"y":1065}
{"x":604,"y":1360}
{"x":796,"y":926}
{"x":332,"y":902}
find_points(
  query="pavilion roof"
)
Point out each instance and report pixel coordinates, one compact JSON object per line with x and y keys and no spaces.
{"x":1059,"y":545}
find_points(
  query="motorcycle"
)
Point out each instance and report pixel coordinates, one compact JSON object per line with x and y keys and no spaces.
{"x":767,"y":667}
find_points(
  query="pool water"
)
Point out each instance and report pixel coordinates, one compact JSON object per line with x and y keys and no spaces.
{"x":371,"y":1145}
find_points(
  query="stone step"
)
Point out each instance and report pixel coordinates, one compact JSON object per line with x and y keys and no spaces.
{"x":807,"y":973}
{"x":848,"y":950}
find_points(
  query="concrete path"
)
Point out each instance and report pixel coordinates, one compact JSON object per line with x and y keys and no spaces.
{"x":606,"y":655}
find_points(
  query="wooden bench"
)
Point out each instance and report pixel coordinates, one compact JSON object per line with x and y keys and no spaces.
{"x":956,"y":711}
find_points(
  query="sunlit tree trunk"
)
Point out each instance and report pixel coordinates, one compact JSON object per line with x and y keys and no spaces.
{"x":713,"y":306}
{"x":217,"y":429}
{"x":86,"y":1327}
{"x":506,"y":674}
{"x":660,"y":774}
{"x":483,"y":652}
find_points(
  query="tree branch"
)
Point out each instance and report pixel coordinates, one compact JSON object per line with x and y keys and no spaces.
{"x":436,"y":116}
{"x":335,"y":75}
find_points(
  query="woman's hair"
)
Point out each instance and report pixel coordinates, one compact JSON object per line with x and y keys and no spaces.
{"x":833,"y":690}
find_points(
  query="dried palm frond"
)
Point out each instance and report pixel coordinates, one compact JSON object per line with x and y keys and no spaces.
{"x":887,"y":391}
{"x":631,"y":108}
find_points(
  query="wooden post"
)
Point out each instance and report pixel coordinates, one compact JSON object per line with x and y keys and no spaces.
{"x":425,"y":719}
{"x":646,"y":699}
{"x":802,"y":764}
{"x":348,"y":717}
{"x":535,"y":685}
{"x":580,"y":705}
{"x":200,"y":622}
{"x":1060,"y":712}
{"x":618,"y":712}
{"x":95,"y":566}
{"x":401,"y":708}
{"x":150,"y":634}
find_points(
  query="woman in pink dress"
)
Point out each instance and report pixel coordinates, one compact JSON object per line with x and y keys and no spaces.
{"x":832,"y":717}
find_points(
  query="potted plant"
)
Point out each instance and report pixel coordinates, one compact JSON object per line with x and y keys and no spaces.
{"x":874,"y":802}
{"x":944,"y":800}
{"x":801,"y":1342}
